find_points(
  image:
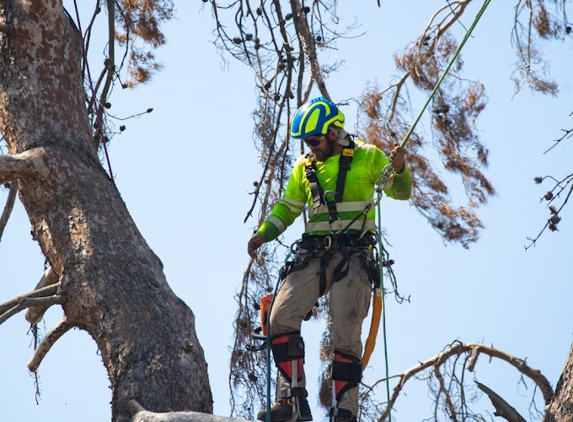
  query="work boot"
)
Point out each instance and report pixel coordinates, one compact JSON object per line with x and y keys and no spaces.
{"x":281,"y":411}
{"x":343,"y":415}
{"x":345,"y":419}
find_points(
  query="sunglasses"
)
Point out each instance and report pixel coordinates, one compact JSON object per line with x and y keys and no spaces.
{"x":313,"y":142}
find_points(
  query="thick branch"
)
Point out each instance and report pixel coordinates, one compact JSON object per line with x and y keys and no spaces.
{"x":12,"y":167}
{"x":141,"y":415}
{"x":502,"y":408}
{"x":47,"y":342}
{"x":309,"y":43}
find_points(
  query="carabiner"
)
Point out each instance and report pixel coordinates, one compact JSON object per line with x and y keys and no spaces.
{"x":328,"y":192}
{"x":329,"y":242}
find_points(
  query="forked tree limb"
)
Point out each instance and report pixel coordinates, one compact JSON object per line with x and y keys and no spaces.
{"x":27,"y":302}
{"x":47,"y":342}
{"x":40,"y":297}
{"x":43,"y":292}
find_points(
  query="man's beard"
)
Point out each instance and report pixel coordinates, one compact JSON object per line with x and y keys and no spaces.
{"x":324,"y":155}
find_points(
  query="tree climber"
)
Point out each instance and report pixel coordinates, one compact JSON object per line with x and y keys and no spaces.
{"x":335,"y":254}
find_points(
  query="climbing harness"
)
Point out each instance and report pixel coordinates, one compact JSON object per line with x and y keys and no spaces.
{"x":329,"y":197}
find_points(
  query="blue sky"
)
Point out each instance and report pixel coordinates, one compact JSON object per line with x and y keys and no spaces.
{"x":185,"y":171}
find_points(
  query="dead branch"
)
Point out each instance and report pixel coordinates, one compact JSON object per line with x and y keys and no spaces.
{"x":35,"y":313}
{"x":27,"y":300}
{"x":551,"y":197}
{"x":308,"y":44}
{"x":47,"y":342}
{"x":8,"y":207}
{"x":385,"y":115}
{"x":502,"y":408}
{"x":567,"y":134}
{"x":472,"y":350}
{"x":26,"y":303}
{"x":46,"y":291}
{"x":139,"y":414}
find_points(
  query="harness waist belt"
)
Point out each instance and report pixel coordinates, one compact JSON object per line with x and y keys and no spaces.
{"x":350,"y":239}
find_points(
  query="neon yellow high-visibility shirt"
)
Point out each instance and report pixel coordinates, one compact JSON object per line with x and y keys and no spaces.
{"x":361,"y":179}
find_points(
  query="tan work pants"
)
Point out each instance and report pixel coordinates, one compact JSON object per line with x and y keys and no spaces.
{"x":349,"y":301}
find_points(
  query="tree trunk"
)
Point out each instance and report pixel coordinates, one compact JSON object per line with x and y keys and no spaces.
{"x":561,"y":407}
{"x":114,"y":283}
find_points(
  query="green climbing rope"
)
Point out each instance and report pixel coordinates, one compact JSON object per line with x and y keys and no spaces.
{"x":384,"y":179}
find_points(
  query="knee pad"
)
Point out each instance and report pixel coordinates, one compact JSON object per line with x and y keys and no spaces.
{"x":346,"y":373}
{"x":288,"y":349}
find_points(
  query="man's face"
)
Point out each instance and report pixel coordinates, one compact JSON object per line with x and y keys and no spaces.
{"x":319,"y":146}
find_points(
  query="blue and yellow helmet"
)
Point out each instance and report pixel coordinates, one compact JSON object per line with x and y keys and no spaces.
{"x":314,"y":118}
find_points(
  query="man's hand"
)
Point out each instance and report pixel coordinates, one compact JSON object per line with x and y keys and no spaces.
{"x":255,"y":243}
{"x":398,"y":158}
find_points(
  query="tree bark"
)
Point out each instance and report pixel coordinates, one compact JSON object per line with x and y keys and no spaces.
{"x":113,"y":282}
{"x":561,"y":407}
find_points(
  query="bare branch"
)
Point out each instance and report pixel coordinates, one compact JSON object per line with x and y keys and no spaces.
{"x":47,"y":342}
{"x":309,"y":47}
{"x":8,"y":207}
{"x":533,"y":24}
{"x":502,"y":408}
{"x":26,"y":303}
{"x":567,"y":134}
{"x":35,"y":313}
{"x":471,"y":349}
{"x":551,"y":196}
{"x":43,"y":292}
